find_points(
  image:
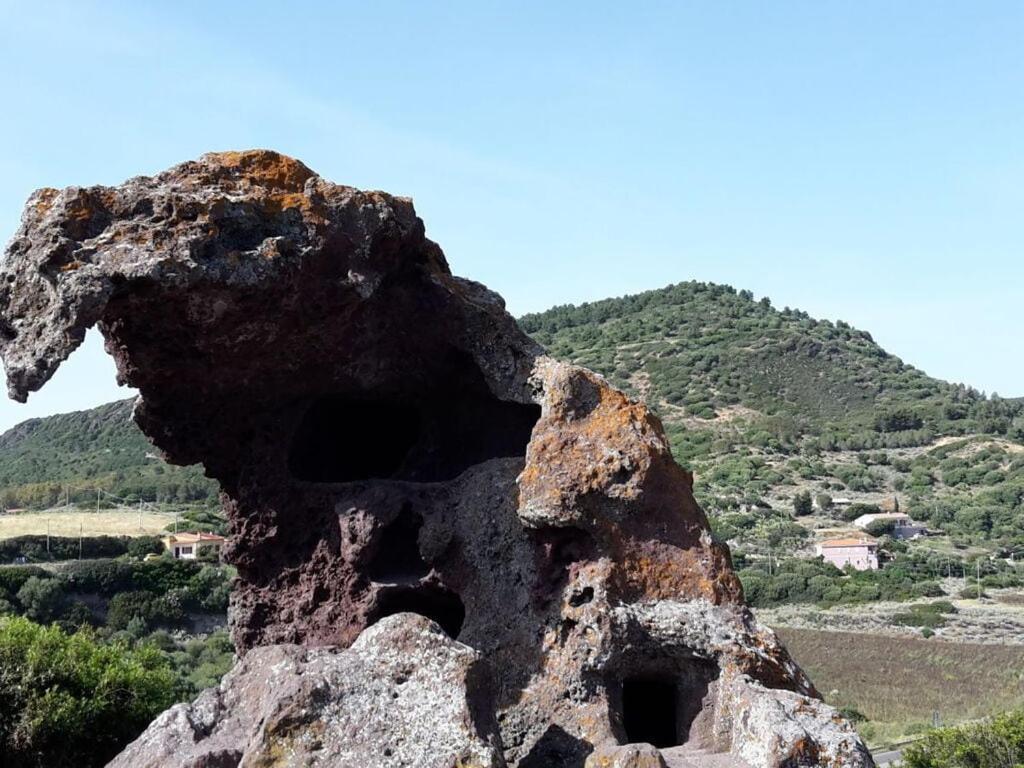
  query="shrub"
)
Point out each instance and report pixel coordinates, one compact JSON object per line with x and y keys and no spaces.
{"x":70,"y":701}
{"x":802,"y":504}
{"x":105,"y":577}
{"x":146,"y":609}
{"x":39,"y":547}
{"x":996,"y":743}
{"x":880,"y":528}
{"x":140,"y":546}
{"x":13,"y":577}
{"x":41,"y":599}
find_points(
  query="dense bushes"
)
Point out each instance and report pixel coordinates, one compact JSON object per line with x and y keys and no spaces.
{"x":35,"y":548}
{"x":995,"y":743}
{"x":794,"y":580}
{"x":158,"y":593}
{"x":71,"y":701}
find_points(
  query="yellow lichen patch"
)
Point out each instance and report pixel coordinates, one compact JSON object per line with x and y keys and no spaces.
{"x":265,"y":168}
{"x":71,"y":265}
{"x":282,"y":739}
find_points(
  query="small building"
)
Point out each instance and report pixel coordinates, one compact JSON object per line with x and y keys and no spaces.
{"x":842,"y":502}
{"x":902,"y":526}
{"x":187,"y":546}
{"x":862,"y":554}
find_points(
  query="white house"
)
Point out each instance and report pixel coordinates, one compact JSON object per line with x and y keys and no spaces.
{"x":903,"y":526}
{"x":186,"y":546}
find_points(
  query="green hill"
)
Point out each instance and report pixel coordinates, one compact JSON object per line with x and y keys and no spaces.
{"x":765,"y":404}
{"x":702,"y":350}
{"x":44,"y":461}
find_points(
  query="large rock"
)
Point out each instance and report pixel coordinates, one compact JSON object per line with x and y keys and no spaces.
{"x":387,"y":440}
{"x":404,"y":694}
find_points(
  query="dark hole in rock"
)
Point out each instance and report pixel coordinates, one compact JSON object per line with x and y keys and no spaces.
{"x":398,"y":558}
{"x":649,"y":711}
{"x":556,"y":747}
{"x":436,"y":603}
{"x":582,"y":597}
{"x":432,"y":437}
{"x":341,"y":440}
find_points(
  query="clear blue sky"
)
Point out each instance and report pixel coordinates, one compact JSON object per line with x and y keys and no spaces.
{"x":861,"y":161}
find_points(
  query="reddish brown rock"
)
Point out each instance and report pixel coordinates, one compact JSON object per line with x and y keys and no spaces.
{"x":388,"y":441}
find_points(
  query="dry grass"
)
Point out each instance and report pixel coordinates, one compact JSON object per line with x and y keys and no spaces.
{"x":109,"y":523}
{"x":898,"y":682}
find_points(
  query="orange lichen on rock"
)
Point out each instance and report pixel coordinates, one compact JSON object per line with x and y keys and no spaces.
{"x":264,"y":168}
{"x":655,"y":571}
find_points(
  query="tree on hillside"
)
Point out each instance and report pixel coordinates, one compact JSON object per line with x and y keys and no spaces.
{"x":802,"y":504}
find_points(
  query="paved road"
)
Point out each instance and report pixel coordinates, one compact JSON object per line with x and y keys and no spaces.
{"x":891,"y":757}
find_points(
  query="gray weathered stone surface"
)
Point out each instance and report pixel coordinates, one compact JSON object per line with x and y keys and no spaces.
{"x":403,"y":695}
{"x":387,"y":440}
{"x":625,"y":756}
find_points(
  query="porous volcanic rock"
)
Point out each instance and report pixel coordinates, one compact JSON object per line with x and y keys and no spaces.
{"x":387,"y":441}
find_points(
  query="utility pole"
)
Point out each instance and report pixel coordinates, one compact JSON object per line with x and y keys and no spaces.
{"x":79,"y":539}
{"x":47,"y":535}
{"x":979,"y":578}
{"x":140,"y":514}
{"x":97,"y":501}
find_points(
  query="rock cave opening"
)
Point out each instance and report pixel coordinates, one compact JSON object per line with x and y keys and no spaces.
{"x":398,"y":559}
{"x":428,"y":431}
{"x":435,"y":602}
{"x":343,"y":439}
{"x":668,"y":709}
{"x":649,"y":711}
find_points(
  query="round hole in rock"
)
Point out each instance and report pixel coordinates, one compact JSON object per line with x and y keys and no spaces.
{"x":436,"y":603}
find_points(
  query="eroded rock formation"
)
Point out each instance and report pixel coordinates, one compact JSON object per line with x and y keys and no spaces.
{"x":388,"y":441}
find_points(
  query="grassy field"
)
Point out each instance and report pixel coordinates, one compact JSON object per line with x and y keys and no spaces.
{"x":108,"y":522}
{"x":899,"y":682}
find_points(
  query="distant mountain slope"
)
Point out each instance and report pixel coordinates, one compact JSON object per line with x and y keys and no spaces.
{"x":41,"y":460}
{"x":709,"y":352}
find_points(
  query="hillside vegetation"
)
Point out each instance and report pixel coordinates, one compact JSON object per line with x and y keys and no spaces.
{"x":767,"y":404}
{"x":44,"y":462}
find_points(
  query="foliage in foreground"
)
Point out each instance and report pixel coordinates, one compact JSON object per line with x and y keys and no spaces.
{"x":995,"y":743}
{"x":69,"y":700}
